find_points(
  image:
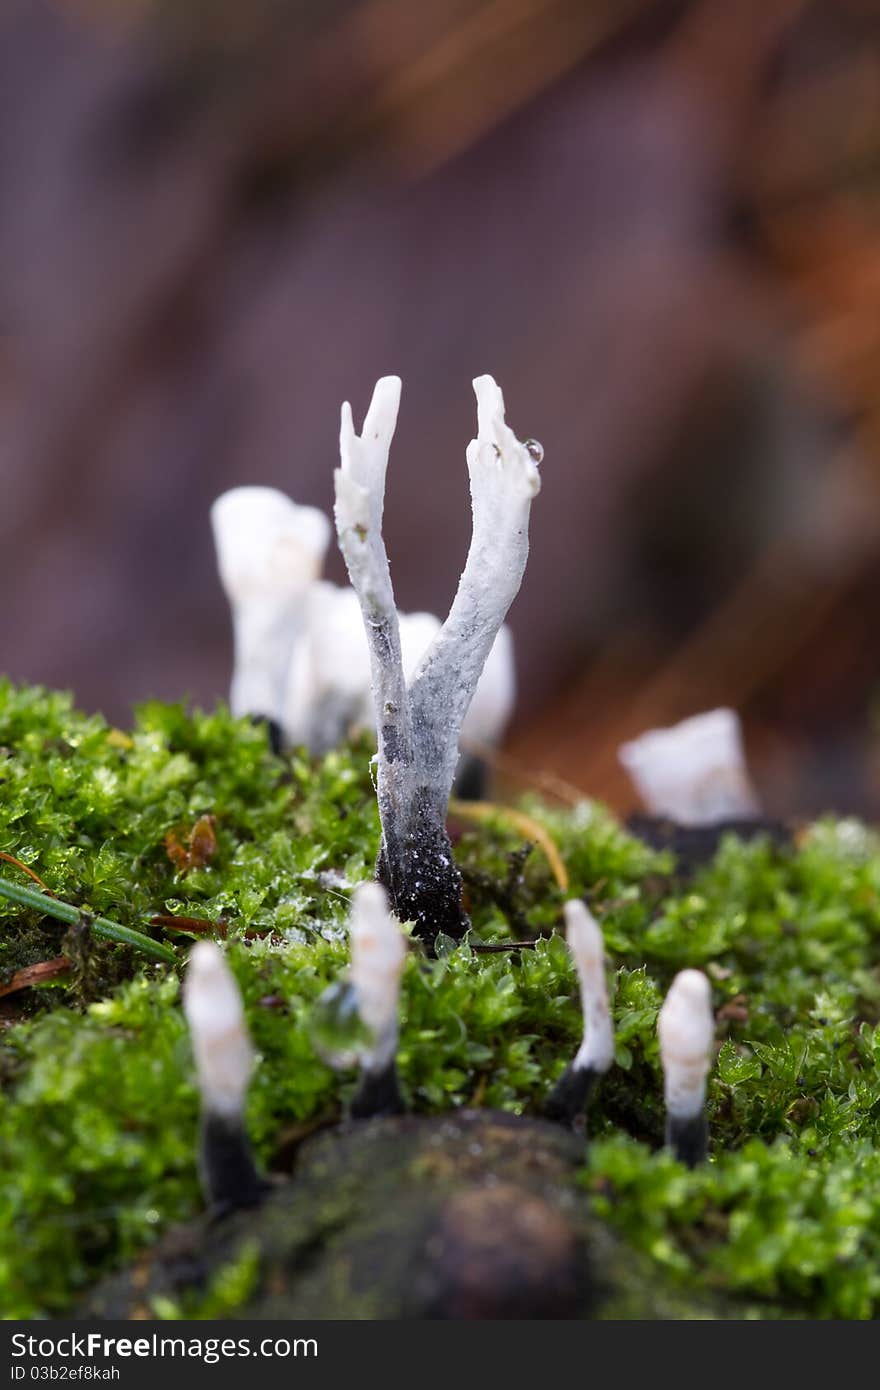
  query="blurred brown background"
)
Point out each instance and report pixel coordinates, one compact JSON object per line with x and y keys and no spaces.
{"x":655,"y":223}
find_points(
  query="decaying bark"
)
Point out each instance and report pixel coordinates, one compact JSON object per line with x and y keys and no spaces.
{"x":473,"y":1215}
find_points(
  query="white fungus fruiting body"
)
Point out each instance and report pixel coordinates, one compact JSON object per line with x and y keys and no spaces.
{"x":329,"y":677}
{"x":328,"y":691}
{"x":504,"y":481}
{"x":221,"y":1045}
{"x":378,"y":955}
{"x":269,"y":553}
{"x":686,"y":1031}
{"x":693,"y":772}
{"x":584,"y":937}
{"x":419,"y":726}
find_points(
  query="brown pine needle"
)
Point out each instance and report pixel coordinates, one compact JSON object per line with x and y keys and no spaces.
{"x":35,"y":974}
{"x":11,"y":859}
{"x":199,"y":926}
{"x":480,"y":811}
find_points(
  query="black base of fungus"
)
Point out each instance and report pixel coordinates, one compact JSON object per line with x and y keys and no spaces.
{"x":568,"y":1101}
{"x":274,"y":732}
{"x":377,"y":1094}
{"x":695,"y":845}
{"x":229,"y":1175}
{"x":426,"y":887}
{"x":688,"y":1138}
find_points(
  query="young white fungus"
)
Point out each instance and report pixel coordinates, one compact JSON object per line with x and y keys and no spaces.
{"x":221,"y":1045}
{"x":584,"y":937}
{"x":378,"y":955}
{"x":694,"y":772}
{"x":686,"y":1031}
{"x":269,"y":553}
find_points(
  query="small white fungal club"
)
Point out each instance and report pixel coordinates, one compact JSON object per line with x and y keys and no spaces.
{"x":269,"y":553}
{"x":329,"y":678}
{"x":584,"y":937}
{"x":419,"y":726}
{"x":378,"y":955}
{"x":686,"y":1030}
{"x":221,"y":1045}
{"x":694,"y":772}
{"x":328,"y":692}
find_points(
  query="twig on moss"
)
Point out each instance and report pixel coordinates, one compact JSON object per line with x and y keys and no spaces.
{"x":481,"y":811}
{"x":11,"y":859}
{"x":37,"y":974}
{"x":101,"y":926}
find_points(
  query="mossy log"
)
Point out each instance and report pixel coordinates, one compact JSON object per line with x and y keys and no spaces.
{"x":477,"y":1214}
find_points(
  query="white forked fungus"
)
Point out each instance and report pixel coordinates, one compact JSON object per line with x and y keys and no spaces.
{"x":419,"y":727}
{"x":686,"y":1031}
{"x":378,"y":955}
{"x":585,"y":942}
{"x":221,"y":1045}
{"x":694,"y":772}
{"x":269,"y":553}
{"x":504,"y":480}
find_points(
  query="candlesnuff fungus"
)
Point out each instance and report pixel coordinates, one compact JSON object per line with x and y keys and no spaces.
{"x":269,"y":553}
{"x":328,"y":689}
{"x":419,"y":725}
{"x":224,"y":1061}
{"x":301,"y":657}
{"x":378,"y":955}
{"x":571,"y":1094}
{"x":686,"y":1031}
{"x":693,"y":772}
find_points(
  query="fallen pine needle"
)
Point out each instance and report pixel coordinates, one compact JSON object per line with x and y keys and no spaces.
{"x":11,"y":859}
{"x":36,"y":974}
{"x":480,"y":811}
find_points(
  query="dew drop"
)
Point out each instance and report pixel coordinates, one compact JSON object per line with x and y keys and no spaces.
{"x":338,"y":1034}
{"x":535,"y":450}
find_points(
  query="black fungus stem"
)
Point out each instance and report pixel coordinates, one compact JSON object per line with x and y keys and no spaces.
{"x":377,"y":1094}
{"x":229,"y":1174}
{"x":688,"y":1138}
{"x":570,"y":1097}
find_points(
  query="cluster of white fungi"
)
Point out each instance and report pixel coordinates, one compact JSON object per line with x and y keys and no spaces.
{"x":315,"y":660}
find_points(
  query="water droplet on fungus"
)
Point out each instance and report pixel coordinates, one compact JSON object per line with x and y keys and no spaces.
{"x":338,"y":1034}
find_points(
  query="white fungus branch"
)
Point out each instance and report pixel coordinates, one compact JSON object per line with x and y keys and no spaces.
{"x":378,"y":955}
{"x":694,"y":772}
{"x":572,"y":1092}
{"x":419,"y":729}
{"x":686,"y":1032}
{"x":224,"y":1061}
{"x":504,"y":480}
{"x":360,"y":503}
{"x":269,"y":553}
{"x":220,"y":1042}
{"x":587,"y":947}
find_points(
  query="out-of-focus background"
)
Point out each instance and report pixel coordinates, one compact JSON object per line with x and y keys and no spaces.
{"x":656,"y":223}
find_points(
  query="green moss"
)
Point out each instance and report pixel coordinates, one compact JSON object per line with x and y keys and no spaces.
{"x":99,"y":1114}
